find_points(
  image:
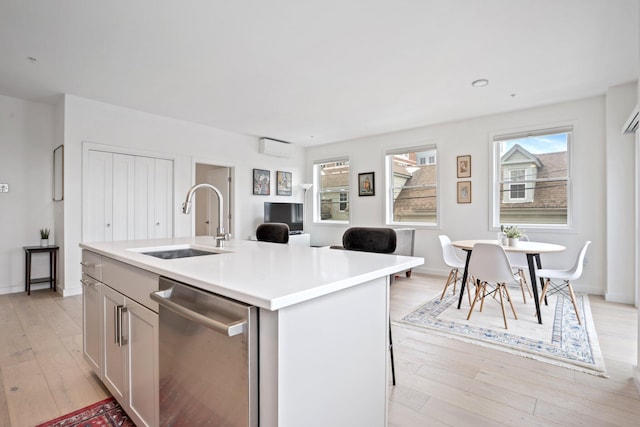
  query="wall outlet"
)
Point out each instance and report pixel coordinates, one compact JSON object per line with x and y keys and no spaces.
{"x":4,"y":188}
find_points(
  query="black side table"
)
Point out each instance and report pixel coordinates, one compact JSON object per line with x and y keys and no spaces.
{"x":53,"y":266}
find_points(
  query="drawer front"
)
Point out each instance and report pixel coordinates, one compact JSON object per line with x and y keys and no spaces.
{"x":132,"y":282}
{"x":92,"y":264}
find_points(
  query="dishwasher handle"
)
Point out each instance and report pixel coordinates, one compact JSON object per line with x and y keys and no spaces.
{"x":229,"y":329}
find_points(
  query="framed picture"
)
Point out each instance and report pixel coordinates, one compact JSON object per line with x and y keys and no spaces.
{"x":464,"y":166}
{"x":464,"y":192}
{"x":261,"y":182}
{"x":284,"y":183}
{"x":366,"y":184}
{"x":58,"y":176}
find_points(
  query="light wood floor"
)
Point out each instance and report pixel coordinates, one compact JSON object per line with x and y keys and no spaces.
{"x":441,"y":381}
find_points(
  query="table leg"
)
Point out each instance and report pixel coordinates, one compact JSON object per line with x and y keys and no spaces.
{"x":464,"y":277}
{"x":55,"y":269}
{"x":539,"y":265}
{"x":27,"y":277}
{"x":531,"y":258}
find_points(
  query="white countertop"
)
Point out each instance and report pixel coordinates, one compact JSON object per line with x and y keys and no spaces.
{"x":268,"y":275}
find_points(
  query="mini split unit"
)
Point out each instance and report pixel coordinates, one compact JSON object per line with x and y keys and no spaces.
{"x":275,"y":148}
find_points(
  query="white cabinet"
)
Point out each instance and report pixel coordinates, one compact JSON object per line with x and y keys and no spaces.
{"x":127,"y":197}
{"x":120,"y":334}
{"x":92,"y":324}
{"x":91,"y":313}
{"x":153,"y":182}
{"x":131,"y":356}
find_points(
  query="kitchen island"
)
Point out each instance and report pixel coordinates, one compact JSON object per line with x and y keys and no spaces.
{"x":323,"y":321}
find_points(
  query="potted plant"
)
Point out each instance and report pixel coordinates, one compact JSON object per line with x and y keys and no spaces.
{"x":44,"y":237}
{"x":513,"y":234}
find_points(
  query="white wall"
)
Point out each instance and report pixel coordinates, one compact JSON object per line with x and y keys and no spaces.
{"x":469,"y":221}
{"x":26,"y":164}
{"x":99,"y":123}
{"x":620,"y":159}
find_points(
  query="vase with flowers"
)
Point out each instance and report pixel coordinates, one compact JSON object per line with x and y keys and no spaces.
{"x":513,"y":234}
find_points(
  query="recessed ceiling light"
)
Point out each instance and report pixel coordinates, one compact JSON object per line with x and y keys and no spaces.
{"x":480,"y":83}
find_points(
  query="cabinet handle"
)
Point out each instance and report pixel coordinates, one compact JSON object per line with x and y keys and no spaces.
{"x":116,"y":324}
{"x":119,"y":338}
{"x":108,"y":225}
{"x":86,"y":264}
{"x":88,"y":283}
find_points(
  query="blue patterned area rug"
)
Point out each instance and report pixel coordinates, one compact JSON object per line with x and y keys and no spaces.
{"x":560,"y":340}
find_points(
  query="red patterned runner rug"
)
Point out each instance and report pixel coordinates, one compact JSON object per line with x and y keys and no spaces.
{"x":104,"y":413}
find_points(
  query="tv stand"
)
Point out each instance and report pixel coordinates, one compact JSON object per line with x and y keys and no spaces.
{"x":300,"y":239}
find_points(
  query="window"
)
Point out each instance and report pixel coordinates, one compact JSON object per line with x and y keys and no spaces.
{"x":516,"y":191}
{"x":331,"y":178}
{"x":412,"y":192}
{"x":531,"y":178}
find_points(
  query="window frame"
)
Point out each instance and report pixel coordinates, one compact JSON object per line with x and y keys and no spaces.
{"x":496,"y":184}
{"x":390,"y":188}
{"x":318,"y":166}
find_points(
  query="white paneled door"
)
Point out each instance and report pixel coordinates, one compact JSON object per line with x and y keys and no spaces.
{"x":127,"y":197}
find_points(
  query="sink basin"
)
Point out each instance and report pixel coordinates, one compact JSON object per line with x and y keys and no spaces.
{"x":178,"y":253}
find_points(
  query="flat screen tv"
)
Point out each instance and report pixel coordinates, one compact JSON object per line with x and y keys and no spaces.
{"x":289,"y":213}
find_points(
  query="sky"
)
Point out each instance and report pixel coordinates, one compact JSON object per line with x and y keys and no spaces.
{"x":539,"y":144}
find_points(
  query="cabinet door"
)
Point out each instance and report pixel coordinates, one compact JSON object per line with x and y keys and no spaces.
{"x":123,"y":197}
{"x":92,"y":323}
{"x":153,"y":217}
{"x":114,"y":350}
{"x":99,"y":197}
{"x":163,"y":199}
{"x":142,"y":349}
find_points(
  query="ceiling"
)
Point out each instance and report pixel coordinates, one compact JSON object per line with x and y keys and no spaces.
{"x":313,"y":72}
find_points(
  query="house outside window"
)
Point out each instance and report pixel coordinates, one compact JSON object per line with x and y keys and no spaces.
{"x":412,"y":186}
{"x":531,"y":176}
{"x":331,"y":178}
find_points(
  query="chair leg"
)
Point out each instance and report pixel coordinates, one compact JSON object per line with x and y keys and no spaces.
{"x":545,"y":288}
{"x":452,"y":276}
{"x":573,"y":300}
{"x":468,"y":286}
{"x":506,"y":290}
{"x":504,"y":314}
{"x":475,"y":299}
{"x":393,"y":368}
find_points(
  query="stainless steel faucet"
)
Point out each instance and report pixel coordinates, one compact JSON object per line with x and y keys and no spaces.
{"x":220,"y":236}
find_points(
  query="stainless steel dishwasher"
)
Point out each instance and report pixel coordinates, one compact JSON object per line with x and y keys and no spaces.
{"x":208,"y":358}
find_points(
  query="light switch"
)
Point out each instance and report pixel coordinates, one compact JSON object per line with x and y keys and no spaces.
{"x":4,"y":188}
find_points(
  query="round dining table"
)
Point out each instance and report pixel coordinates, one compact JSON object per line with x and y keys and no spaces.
{"x":532,"y":251}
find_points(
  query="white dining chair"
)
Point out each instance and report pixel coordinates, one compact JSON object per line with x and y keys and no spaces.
{"x":455,"y":263}
{"x":566,"y":276}
{"x":520,"y":266}
{"x":490,"y":265}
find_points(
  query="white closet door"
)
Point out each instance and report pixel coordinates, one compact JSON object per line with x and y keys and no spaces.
{"x":144,"y":197}
{"x":123,"y":197}
{"x":163,"y":203}
{"x":99,"y":195}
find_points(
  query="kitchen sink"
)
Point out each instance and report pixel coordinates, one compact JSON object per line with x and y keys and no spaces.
{"x":178,"y":253}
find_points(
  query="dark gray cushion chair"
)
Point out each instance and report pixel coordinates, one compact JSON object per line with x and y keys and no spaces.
{"x":372,"y":239}
{"x":275,"y":232}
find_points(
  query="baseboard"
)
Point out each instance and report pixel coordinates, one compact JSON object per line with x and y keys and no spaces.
{"x":20,"y":288}
{"x":621,"y":298}
{"x":71,"y":292}
{"x":636,"y":377}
